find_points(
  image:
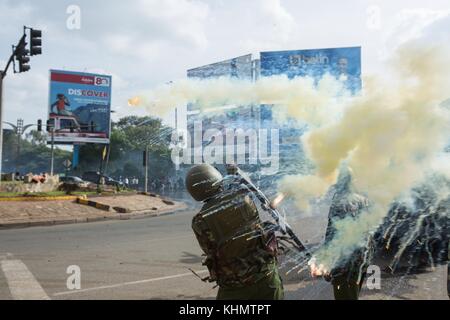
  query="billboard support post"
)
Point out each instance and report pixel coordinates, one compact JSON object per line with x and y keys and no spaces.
{"x":105,"y":171}
{"x":100,"y":176}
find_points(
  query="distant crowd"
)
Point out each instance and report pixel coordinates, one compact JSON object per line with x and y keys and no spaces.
{"x":156,"y":185}
{"x":166,"y":185}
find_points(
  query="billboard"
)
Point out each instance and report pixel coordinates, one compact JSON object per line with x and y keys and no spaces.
{"x":239,"y":67}
{"x":342,"y":63}
{"x":80,"y":107}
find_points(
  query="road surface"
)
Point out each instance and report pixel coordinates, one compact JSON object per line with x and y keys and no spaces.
{"x":150,"y":259}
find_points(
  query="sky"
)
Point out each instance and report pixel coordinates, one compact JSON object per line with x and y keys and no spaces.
{"x":145,"y":43}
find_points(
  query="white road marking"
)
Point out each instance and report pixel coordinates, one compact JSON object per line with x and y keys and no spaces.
{"x":129,"y":283}
{"x":21,"y":282}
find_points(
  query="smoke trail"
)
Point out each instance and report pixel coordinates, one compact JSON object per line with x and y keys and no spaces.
{"x":301,"y":98}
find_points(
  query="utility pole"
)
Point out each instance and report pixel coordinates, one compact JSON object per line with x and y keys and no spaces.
{"x":146,"y":168}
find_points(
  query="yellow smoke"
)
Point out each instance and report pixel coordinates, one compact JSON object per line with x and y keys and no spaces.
{"x":389,"y":135}
{"x":135,"y":101}
{"x":300,"y":97}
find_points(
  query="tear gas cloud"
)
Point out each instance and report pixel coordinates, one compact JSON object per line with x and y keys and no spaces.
{"x":390,"y":134}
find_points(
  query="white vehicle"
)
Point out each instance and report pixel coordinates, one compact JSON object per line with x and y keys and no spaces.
{"x":64,"y":123}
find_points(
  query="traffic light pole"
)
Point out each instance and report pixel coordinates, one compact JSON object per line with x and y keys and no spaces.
{"x":2,"y":76}
{"x":1,"y":122}
{"x":35,"y":49}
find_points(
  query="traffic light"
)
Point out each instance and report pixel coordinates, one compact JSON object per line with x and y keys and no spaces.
{"x":35,"y":42}
{"x":22,"y":56}
{"x":49,"y":126}
{"x":39,"y":125}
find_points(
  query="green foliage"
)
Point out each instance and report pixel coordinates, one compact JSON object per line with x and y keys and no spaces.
{"x":31,"y":154}
{"x":129,"y":138}
{"x":36,"y":137}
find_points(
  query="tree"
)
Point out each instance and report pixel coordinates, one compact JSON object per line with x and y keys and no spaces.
{"x":34,"y":155}
{"x":129,"y":138}
{"x":36,"y":137}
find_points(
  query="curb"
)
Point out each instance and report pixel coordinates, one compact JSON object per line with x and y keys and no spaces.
{"x":151,"y":194}
{"x":94,"y":204}
{"x":37,"y":198}
{"x":150,"y":214}
{"x":118,"y":209}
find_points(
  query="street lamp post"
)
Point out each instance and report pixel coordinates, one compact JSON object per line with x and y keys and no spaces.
{"x":146,"y":169}
{"x":19,"y":130}
{"x":19,"y":135}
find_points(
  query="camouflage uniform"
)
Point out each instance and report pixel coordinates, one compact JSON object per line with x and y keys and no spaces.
{"x":240,"y":253}
{"x":448,"y":272}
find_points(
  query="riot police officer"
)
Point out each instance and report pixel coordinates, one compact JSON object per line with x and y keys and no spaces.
{"x":240,"y":253}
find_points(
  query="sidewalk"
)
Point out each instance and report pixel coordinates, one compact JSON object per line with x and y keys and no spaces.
{"x":20,"y":214}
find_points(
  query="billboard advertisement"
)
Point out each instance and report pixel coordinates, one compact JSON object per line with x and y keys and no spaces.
{"x":239,"y":67}
{"x":79,"y":107}
{"x":342,"y":63}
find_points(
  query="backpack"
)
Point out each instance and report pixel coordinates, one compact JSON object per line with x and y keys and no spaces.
{"x":237,"y":245}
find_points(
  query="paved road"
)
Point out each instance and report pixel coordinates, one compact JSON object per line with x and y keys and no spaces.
{"x":150,"y":259}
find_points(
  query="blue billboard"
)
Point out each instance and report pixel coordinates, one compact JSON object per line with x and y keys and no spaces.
{"x":342,"y":63}
{"x":80,"y":107}
{"x":239,"y":67}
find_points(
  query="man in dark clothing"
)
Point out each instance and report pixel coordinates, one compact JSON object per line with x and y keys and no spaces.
{"x":348,"y":274}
